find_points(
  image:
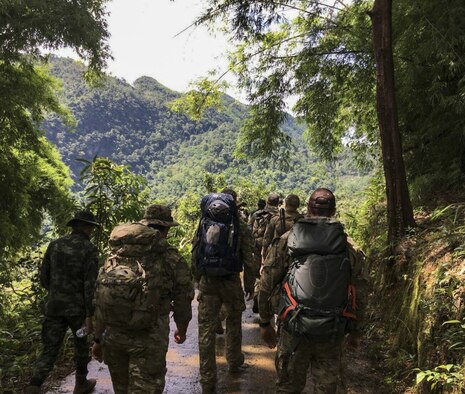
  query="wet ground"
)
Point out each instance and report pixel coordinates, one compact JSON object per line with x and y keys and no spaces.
{"x":183,"y":362}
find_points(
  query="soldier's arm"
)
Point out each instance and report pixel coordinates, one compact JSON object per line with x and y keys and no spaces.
{"x":359,"y":280}
{"x":268,"y":236}
{"x":90,"y":277}
{"x":274,"y":270}
{"x":45,"y":268}
{"x":195,"y":243}
{"x":246,"y":255}
{"x":183,"y":292}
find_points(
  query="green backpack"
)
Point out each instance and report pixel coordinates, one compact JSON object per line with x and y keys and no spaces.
{"x":128,"y":286}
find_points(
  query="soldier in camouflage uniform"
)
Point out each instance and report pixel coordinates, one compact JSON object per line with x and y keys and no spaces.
{"x":227,"y":291}
{"x":260,"y":205}
{"x":260,"y":223}
{"x":137,"y":361}
{"x":68,"y":272}
{"x":293,"y":358}
{"x":281,"y":223}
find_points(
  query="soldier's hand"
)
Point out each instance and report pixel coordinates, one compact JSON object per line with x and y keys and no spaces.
{"x":180,"y":334}
{"x":97,"y":352}
{"x":269,"y":336}
{"x":89,"y":325}
{"x":249,"y":295}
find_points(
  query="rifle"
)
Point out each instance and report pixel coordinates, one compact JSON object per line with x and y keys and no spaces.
{"x":282,"y":220}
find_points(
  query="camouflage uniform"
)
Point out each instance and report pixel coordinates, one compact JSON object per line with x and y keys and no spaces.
{"x":274,"y":228}
{"x":68,"y":272}
{"x":227,"y":291}
{"x":258,"y":240}
{"x":325,"y":358}
{"x":137,"y":360}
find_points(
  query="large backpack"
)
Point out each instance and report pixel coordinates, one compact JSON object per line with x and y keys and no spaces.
{"x":216,"y":250}
{"x":262,"y":218}
{"x":317,"y":299}
{"x":128,"y":285}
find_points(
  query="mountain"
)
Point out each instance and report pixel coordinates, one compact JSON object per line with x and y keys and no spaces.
{"x":132,"y":124}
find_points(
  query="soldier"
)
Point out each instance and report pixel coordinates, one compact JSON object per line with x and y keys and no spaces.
{"x":137,"y":360}
{"x":302,"y":342}
{"x":281,"y":223}
{"x":215,"y":291}
{"x":262,"y":218}
{"x":68,"y":272}
{"x":260,"y":205}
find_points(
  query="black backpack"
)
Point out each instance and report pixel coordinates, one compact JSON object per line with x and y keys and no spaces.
{"x":216,"y":251}
{"x":318,"y":299}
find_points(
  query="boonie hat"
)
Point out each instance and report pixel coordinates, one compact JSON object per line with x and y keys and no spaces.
{"x":322,"y":198}
{"x":273,"y":199}
{"x":83,"y":217}
{"x":159,"y":215}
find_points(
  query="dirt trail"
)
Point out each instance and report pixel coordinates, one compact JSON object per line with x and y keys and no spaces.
{"x":183,"y":367}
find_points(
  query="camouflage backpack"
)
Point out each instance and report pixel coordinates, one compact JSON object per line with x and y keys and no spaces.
{"x":128,"y":285}
{"x":262,"y":218}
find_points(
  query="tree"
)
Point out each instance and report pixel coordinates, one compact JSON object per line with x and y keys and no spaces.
{"x":114,"y":194}
{"x":399,"y":207}
{"x":35,"y":178}
{"x":322,"y":53}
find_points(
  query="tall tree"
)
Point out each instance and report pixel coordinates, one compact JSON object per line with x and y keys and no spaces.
{"x":399,"y":207}
{"x":322,"y":53}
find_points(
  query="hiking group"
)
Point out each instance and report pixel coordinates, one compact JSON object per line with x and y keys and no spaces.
{"x":301,"y":271}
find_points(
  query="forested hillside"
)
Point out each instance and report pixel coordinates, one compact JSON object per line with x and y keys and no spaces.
{"x":133,"y":125}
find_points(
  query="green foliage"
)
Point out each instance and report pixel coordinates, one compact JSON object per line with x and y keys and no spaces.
{"x":26,"y":27}
{"x":205,"y":93}
{"x":320,"y":54}
{"x":113,"y":194}
{"x":430,"y":71}
{"x":442,"y":378}
{"x":36,"y":181}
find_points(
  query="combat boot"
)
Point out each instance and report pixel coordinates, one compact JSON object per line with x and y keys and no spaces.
{"x":84,"y":385}
{"x":31,"y":390}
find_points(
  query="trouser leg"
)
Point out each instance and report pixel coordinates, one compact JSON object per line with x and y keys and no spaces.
{"x":117,"y":359}
{"x":291,"y":366}
{"x":53,"y":332}
{"x":81,"y":347}
{"x":209,"y":307}
{"x":234,"y":355}
{"x":327,"y":370}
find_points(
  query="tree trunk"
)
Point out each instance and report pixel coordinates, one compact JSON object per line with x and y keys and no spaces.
{"x":399,"y":207}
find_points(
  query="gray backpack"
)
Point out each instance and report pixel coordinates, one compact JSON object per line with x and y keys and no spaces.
{"x":317,"y":299}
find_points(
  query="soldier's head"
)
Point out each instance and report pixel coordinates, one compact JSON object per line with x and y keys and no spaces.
{"x":230,"y":191}
{"x":292,"y":202}
{"x":83,"y":221}
{"x":321,"y":203}
{"x":159,"y":217}
{"x":273,"y":199}
{"x":261,"y":203}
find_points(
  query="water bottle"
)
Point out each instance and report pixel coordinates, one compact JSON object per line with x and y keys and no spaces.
{"x":82,"y":332}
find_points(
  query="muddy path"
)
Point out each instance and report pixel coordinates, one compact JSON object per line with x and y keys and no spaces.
{"x":183,"y":370}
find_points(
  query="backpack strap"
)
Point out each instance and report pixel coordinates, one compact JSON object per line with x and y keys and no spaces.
{"x":291,"y":299}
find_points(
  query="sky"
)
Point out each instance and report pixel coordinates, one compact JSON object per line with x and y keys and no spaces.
{"x":144,"y":42}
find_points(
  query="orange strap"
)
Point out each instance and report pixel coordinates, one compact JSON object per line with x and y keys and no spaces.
{"x":293,"y":301}
{"x":352,"y":296}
